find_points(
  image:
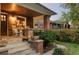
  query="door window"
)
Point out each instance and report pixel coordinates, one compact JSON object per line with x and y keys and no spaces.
{"x":3,"y":25}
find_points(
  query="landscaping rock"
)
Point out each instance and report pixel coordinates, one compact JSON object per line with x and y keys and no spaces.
{"x":61,"y":46}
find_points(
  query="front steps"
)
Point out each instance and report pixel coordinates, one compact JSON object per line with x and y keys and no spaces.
{"x":18,"y":48}
{"x":26,"y":52}
{"x":14,"y":40}
{"x":21,"y":48}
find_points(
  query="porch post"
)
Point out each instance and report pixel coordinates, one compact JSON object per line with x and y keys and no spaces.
{"x":0,"y":20}
{"x":46,"y":22}
{"x":30,"y":21}
{"x":8,"y":25}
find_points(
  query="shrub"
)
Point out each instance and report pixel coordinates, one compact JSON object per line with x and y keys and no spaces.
{"x":37,"y":32}
{"x":58,"y":51}
{"x":76,"y":37}
{"x":47,"y":36}
{"x":65,"y":36}
{"x":68,"y":35}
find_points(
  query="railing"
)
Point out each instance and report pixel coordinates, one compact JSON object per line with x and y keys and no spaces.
{"x":54,"y":29}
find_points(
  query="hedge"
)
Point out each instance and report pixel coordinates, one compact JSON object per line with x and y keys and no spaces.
{"x":69,"y":35}
{"x":66,"y":35}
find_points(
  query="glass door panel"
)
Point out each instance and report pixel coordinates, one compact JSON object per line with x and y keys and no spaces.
{"x":3,"y":24}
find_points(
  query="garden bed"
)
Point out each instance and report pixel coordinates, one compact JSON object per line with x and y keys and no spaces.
{"x":73,"y":49}
{"x":48,"y":48}
{"x":66,"y":37}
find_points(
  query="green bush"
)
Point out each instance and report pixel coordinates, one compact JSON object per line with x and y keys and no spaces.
{"x":58,"y":51}
{"x":47,"y":36}
{"x":65,"y":36}
{"x":68,"y":35}
{"x":37,"y":32}
{"x":76,"y":37}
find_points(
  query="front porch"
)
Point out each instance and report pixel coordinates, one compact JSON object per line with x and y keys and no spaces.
{"x":17,"y":22}
{"x":17,"y":19}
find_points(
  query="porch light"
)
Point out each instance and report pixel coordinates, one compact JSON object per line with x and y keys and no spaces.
{"x":13,"y":6}
{"x":13,"y":20}
{"x":2,"y":18}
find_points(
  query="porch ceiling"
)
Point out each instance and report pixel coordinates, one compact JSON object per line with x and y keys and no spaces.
{"x":18,"y":10}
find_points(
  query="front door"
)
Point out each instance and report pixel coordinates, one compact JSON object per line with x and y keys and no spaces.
{"x":3,"y":25}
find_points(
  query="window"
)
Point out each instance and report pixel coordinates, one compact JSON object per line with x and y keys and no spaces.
{"x":3,"y":17}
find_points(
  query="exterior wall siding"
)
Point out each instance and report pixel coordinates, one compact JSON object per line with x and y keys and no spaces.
{"x":38,"y":20}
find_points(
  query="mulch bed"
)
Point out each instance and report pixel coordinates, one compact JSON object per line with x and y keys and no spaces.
{"x":48,"y":48}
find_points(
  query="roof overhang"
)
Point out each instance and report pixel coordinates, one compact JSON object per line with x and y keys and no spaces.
{"x":26,"y":9}
{"x":38,"y":8}
{"x":16,"y":9}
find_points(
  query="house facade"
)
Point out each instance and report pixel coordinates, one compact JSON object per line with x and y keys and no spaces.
{"x":19,"y":16}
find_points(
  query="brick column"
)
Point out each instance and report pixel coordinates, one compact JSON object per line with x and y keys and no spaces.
{"x":46,"y":22}
{"x":0,"y":7}
{"x":38,"y":46}
{"x":0,"y":21}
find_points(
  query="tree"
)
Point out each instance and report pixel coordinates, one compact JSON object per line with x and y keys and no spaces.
{"x":73,"y":14}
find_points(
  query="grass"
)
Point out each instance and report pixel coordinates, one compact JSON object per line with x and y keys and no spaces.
{"x":73,"y":48}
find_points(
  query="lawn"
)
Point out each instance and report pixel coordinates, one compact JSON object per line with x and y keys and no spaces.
{"x":73,"y":48}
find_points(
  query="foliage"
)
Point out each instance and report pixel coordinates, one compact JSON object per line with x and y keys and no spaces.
{"x":37,"y":32}
{"x":76,"y":37}
{"x":72,"y":48}
{"x":68,"y":35}
{"x":65,"y":35}
{"x":47,"y":36}
{"x":59,"y":51}
{"x":73,"y":13}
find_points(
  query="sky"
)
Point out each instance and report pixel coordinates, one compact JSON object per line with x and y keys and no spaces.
{"x":56,"y":7}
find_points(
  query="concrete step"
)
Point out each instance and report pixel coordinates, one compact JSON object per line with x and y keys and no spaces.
{"x":14,"y":40}
{"x":16,"y":47}
{"x":3,"y":49}
{"x":17,"y":44}
{"x":26,"y":52}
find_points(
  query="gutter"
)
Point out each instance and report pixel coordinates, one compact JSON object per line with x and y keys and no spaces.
{"x":54,"y":13}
